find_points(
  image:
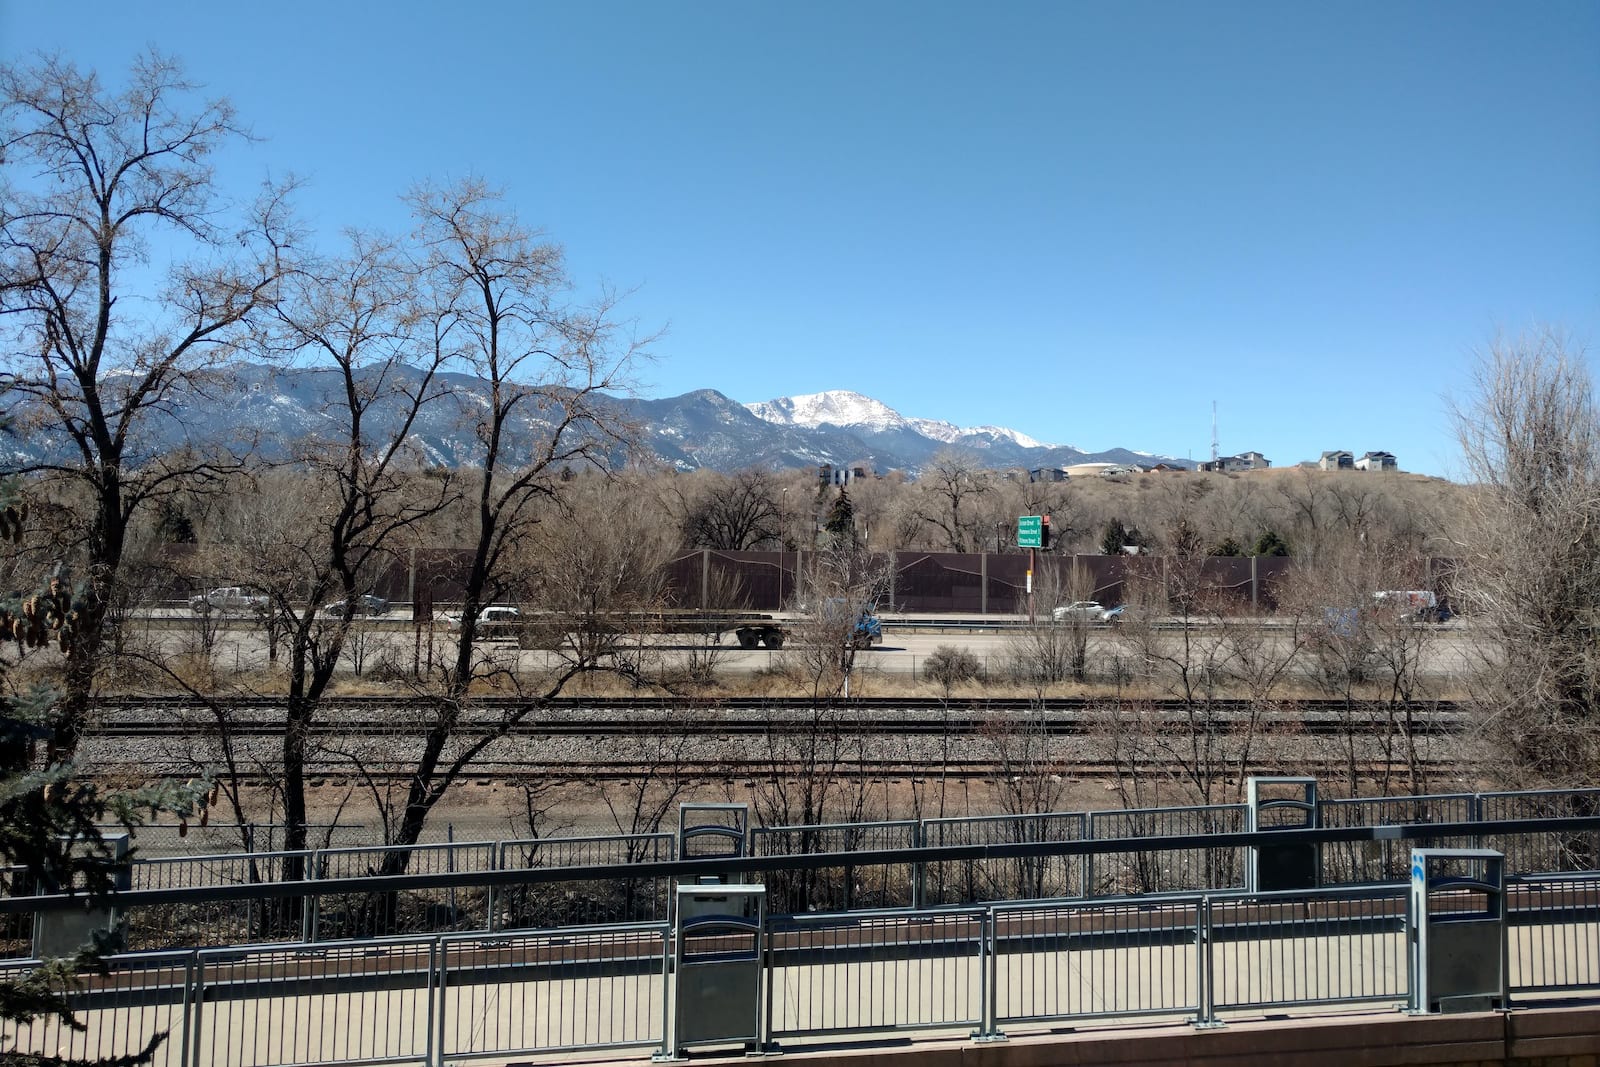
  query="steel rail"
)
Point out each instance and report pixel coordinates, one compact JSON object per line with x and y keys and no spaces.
{"x":962,"y":727}
{"x":616,"y":771}
{"x":116,"y":703}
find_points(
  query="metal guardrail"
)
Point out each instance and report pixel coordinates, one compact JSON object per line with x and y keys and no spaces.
{"x":1199,"y":957}
{"x":542,"y":991}
{"x":628,"y":883}
{"x":1555,"y":934}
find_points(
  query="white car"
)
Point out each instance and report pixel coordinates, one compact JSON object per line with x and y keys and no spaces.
{"x":1084,"y":611}
{"x":228,"y":598}
{"x":492,"y":619}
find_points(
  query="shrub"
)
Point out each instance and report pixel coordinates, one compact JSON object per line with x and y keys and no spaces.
{"x":951,"y":666}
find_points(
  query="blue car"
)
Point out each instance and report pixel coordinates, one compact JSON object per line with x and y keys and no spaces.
{"x":365,"y":604}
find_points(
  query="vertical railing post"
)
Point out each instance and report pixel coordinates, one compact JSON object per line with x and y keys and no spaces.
{"x":186,"y":1024}
{"x":1086,"y":861}
{"x":450,"y":864}
{"x":768,"y":983}
{"x":496,"y":857}
{"x":436,"y":1008}
{"x":1204,"y":944}
{"x":1413,"y":956}
{"x":919,"y":867}
{"x":311,"y":923}
{"x":196,"y":997}
{"x":988,"y":979}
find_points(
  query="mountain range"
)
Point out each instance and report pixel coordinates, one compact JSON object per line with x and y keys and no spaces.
{"x":266,"y":409}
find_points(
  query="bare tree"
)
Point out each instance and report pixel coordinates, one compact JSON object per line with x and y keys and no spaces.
{"x":356,"y":315}
{"x":1530,"y":573}
{"x":1174,"y":624}
{"x":595,"y":570}
{"x":948,"y":495}
{"x":1050,"y":650}
{"x":735,"y":513}
{"x":814,"y":762}
{"x":111,"y":174}
{"x":500,"y":311}
{"x":1032,"y":766}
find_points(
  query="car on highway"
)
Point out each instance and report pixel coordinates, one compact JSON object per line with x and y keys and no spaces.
{"x":1085,"y":611}
{"x":1411,"y":605}
{"x":494,"y":621}
{"x":237,"y":599}
{"x":365,"y":604}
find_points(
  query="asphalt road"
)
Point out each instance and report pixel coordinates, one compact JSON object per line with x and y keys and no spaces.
{"x":1443,"y":652}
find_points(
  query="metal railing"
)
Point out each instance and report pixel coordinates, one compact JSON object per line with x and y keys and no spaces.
{"x":843,"y":888}
{"x":1305,"y":948}
{"x":989,"y":970}
{"x":1554,"y":934}
{"x":1190,"y":870}
{"x":1113,"y":852}
{"x":189,"y":839}
{"x":1112,"y":958}
{"x":1008,"y":878}
{"x":542,"y":991}
{"x":876,"y":971}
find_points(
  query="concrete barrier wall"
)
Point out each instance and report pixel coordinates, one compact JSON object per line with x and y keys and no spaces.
{"x":1559,"y":1037}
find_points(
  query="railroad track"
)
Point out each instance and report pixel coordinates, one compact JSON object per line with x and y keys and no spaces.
{"x":1058,"y":726}
{"x":579,"y":772}
{"x":611,"y":739}
{"x":123,"y":705}
{"x":744,"y":738}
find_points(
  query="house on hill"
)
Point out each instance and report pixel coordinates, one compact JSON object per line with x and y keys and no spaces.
{"x":1244,"y":461}
{"x":1378,"y":461}
{"x":1337,"y":461}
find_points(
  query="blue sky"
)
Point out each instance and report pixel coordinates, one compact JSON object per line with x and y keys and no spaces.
{"x":1084,"y":222}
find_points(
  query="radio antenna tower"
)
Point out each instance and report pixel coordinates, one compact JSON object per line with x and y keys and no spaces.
{"x":1213,"y":433}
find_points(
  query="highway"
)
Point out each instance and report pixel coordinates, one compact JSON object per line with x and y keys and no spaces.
{"x":1438,"y":653}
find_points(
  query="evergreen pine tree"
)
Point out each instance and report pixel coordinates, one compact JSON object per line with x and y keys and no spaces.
{"x":1114,"y":537}
{"x":841,"y":520}
{"x":1270,"y":544}
{"x":50,"y":837}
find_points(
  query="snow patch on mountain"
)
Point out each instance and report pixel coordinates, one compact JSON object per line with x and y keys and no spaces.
{"x":836,"y":408}
{"x":841,"y":407}
{"x":1014,"y":436}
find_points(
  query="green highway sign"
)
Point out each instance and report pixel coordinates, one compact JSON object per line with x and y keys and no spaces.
{"x":1028,"y":532}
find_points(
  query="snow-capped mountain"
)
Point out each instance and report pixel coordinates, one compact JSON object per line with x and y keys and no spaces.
{"x":273,"y":411}
{"x":842,"y":408}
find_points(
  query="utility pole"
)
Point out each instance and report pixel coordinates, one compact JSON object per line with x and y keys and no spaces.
{"x":1213,"y":435}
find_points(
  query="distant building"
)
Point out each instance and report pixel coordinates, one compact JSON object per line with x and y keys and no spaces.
{"x":1048,"y":474}
{"x":828,"y":474}
{"x":1336,"y":461}
{"x":1378,"y":461}
{"x":1244,"y":461}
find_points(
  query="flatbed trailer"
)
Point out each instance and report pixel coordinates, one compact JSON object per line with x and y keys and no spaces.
{"x":752,"y":630}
